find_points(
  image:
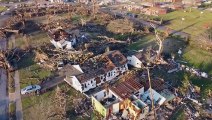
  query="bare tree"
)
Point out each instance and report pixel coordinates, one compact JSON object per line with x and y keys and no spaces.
{"x":159,"y":38}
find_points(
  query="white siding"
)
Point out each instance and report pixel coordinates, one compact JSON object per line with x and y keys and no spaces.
{"x":116,"y":108}
{"x":141,"y":91}
{"x":134,"y":61}
{"x":100,"y":95}
{"x":156,"y":96}
{"x":78,"y":68}
{"x":89,"y":85}
{"x":76,"y":84}
{"x":108,"y":76}
{"x":111,"y":75}
{"x":104,"y":94}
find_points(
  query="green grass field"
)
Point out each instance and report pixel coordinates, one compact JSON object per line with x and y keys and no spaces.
{"x":30,"y":72}
{"x":2,"y":8}
{"x":199,"y":58}
{"x":35,"y":39}
{"x":196,"y":57}
{"x":38,"y":107}
{"x":194,"y":21}
{"x":143,"y":42}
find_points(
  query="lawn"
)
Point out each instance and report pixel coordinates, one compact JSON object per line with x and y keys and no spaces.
{"x":199,"y":59}
{"x":2,"y":8}
{"x":196,"y":57}
{"x":35,"y":39}
{"x":30,"y":72}
{"x":171,"y":45}
{"x":204,"y":84}
{"x":37,"y":107}
{"x":194,"y":21}
{"x":145,"y":41}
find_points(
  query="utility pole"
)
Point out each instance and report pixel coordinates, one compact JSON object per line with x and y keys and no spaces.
{"x":151,"y":94}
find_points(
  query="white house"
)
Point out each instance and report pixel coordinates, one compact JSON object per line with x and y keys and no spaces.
{"x":104,"y":68}
{"x":142,"y":58}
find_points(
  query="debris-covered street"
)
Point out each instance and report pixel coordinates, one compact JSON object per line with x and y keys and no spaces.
{"x":82,"y":60}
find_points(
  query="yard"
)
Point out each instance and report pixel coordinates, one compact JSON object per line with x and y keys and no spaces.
{"x":196,"y":58}
{"x":143,"y":42}
{"x":171,"y":45}
{"x":2,"y":8}
{"x":35,"y":39}
{"x":193,"y":22}
{"x":30,"y":72}
{"x":199,"y":59}
{"x":38,"y":107}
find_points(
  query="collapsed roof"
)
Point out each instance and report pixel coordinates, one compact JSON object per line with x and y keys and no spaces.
{"x":59,"y":35}
{"x":101,"y":64}
{"x":146,"y":55}
{"x":127,"y":88}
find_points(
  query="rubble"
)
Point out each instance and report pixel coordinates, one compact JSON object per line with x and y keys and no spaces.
{"x":175,"y":67}
{"x":120,"y":26}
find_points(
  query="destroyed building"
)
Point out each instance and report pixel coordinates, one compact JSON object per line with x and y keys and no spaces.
{"x":98,"y":70}
{"x":115,"y":99}
{"x":62,"y":40}
{"x":141,"y":58}
{"x":126,"y":99}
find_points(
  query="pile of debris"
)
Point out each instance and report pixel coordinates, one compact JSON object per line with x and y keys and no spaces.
{"x":9,"y":58}
{"x":120,"y":26}
{"x":82,"y":107}
{"x":47,"y":54}
{"x":175,"y":67}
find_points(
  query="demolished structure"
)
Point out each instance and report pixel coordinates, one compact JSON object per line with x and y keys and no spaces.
{"x":127,"y":100}
{"x":142,"y":58}
{"x":98,"y":70}
{"x":61,"y":39}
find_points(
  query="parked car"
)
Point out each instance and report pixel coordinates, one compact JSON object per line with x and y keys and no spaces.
{"x":3,"y":13}
{"x":30,"y":89}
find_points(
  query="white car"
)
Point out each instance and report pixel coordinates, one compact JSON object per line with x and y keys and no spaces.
{"x":30,"y":89}
{"x":3,"y":13}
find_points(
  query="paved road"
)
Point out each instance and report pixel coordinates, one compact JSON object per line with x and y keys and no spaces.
{"x":4,"y":100}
